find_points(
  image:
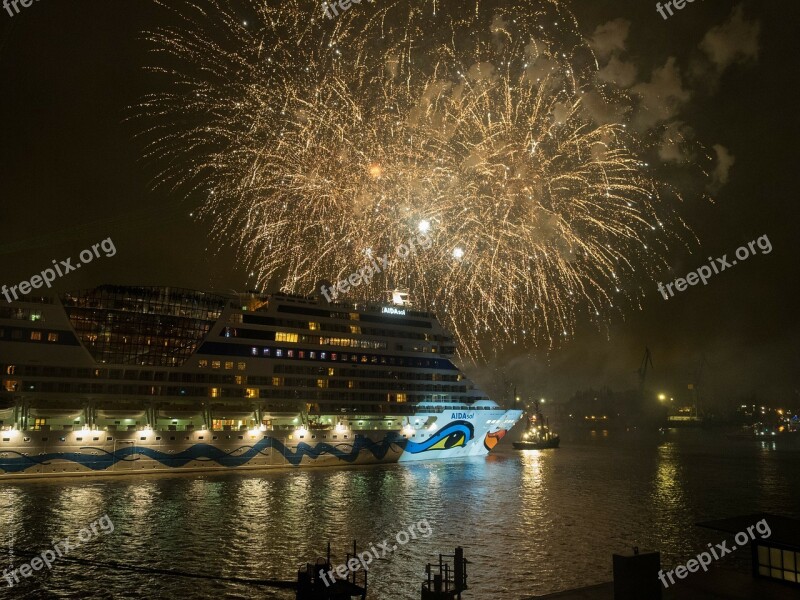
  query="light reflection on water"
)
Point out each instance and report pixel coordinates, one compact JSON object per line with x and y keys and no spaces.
{"x":530,"y":522}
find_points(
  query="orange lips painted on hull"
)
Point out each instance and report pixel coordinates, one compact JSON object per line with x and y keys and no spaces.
{"x":492,"y":439}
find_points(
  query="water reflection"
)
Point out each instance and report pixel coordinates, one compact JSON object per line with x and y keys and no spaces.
{"x":530,"y":522}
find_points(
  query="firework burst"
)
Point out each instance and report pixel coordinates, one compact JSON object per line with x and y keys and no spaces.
{"x":315,"y":141}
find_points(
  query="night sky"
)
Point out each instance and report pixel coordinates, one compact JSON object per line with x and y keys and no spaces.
{"x":72,"y":174}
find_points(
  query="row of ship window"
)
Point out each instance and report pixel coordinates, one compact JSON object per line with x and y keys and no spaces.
{"x":143,"y":300}
{"x":280,"y":392}
{"x":127,"y":374}
{"x":294,"y":338}
{"x":362,"y":373}
{"x":238,"y":318}
{"x":283,"y":336}
{"x":365,"y":385}
{"x":27,"y":334}
{"x":144,"y":438}
{"x":21,"y":314}
{"x":216,"y":364}
{"x":271,"y":352}
{"x":200,"y":437}
{"x":240,"y":379}
{"x":357,"y":316}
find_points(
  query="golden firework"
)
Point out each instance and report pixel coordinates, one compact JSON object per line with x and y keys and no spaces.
{"x":315,"y":141}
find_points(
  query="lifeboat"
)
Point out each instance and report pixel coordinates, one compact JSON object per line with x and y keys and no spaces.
{"x":69,"y":413}
{"x":119,"y":414}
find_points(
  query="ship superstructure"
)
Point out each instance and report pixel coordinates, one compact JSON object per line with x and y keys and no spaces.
{"x":121,"y":379}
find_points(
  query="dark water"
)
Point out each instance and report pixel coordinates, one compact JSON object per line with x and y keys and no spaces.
{"x":530,"y":523}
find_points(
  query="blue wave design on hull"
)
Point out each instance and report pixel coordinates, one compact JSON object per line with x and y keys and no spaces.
{"x":206,"y":452}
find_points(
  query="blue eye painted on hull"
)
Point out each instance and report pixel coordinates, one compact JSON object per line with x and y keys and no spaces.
{"x":452,"y":435}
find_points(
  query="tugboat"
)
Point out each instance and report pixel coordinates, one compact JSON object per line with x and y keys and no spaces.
{"x":537,"y":434}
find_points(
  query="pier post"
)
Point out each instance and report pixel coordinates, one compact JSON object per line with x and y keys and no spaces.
{"x":449,"y":582}
{"x":636,"y":576}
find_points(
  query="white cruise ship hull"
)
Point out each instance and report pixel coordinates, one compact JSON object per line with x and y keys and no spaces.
{"x":27,"y":454}
{"x":128,"y":379}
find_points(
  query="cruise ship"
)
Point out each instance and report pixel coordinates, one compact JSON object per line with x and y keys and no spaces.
{"x":117,"y":380}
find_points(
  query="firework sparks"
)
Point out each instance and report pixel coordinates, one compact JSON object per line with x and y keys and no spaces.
{"x":314,"y":142}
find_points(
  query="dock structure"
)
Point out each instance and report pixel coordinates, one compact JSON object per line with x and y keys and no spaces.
{"x":319,"y":581}
{"x":446,"y":582}
{"x":719,"y":584}
{"x":774,"y":573}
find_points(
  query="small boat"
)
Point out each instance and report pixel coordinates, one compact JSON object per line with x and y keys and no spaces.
{"x":538,"y":435}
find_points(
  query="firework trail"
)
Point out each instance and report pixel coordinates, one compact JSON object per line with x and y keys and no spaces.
{"x":315,"y":141}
